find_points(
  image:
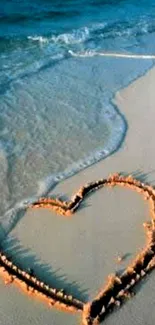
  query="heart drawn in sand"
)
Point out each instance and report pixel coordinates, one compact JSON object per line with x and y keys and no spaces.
{"x":118,"y":288}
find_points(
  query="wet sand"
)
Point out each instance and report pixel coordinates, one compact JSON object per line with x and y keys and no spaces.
{"x":84,"y":248}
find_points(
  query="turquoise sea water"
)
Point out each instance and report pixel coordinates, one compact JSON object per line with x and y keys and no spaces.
{"x":56,"y":90}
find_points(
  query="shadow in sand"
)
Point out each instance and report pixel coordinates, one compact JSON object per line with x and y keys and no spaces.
{"x":26,"y":260}
{"x":105,"y":315}
{"x":141,"y":176}
{"x":126,"y":256}
{"x":114,"y":308}
{"x":140,"y":284}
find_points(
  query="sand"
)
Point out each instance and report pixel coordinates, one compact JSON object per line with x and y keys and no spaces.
{"x":79,"y":252}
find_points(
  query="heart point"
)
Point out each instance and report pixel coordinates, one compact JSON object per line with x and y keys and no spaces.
{"x":117,"y":289}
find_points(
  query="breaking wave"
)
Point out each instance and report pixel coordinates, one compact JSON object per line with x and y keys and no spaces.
{"x":99,"y":32}
{"x":89,"y":53}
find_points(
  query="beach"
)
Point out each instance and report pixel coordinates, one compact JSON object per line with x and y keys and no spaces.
{"x":79,"y":252}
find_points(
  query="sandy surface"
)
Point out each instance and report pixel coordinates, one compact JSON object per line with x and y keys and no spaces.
{"x":79,"y":252}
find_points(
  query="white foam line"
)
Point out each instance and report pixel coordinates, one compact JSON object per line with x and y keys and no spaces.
{"x":115,"y":55}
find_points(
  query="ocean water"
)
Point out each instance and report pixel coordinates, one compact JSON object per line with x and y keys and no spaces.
{"x":61,"y":63}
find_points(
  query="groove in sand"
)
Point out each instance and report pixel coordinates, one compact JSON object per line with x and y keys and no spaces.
{"x":118,"y":288}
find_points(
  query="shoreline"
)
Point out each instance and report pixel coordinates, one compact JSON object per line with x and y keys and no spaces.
{"x":136,"y":156}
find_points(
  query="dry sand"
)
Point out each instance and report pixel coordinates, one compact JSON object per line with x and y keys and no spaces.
{"x":79,"y":252}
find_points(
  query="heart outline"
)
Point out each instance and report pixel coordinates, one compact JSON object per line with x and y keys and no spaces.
{"x":118,"y":288}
